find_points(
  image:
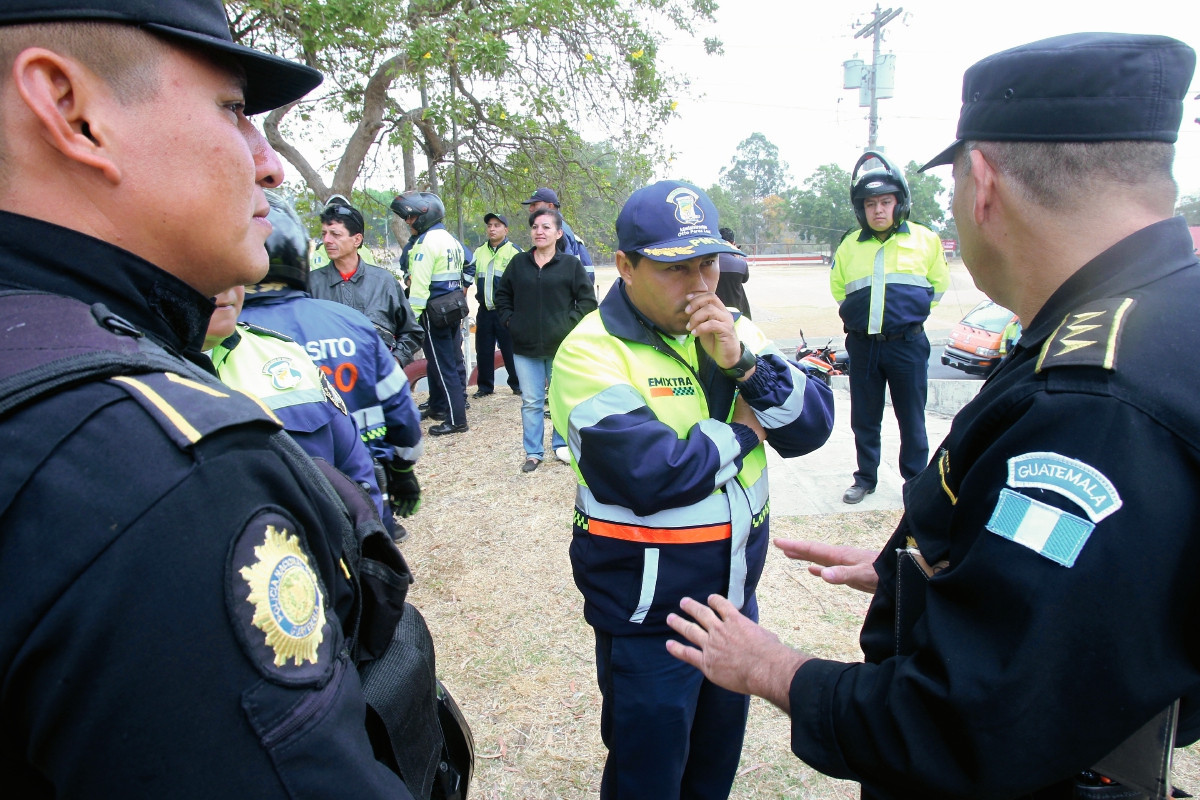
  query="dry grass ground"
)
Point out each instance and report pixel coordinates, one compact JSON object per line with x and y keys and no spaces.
{"x":489,"y":549}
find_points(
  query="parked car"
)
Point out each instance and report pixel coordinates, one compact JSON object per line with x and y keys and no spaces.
{"x":975,"y":341}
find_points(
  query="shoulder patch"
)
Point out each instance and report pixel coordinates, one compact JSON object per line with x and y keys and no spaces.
{"x":276,"y":602}
{"x":1048,"y":531}
{"x":1080,"y":483}
{"x":188,"y":410}
{"x":1088,"y":336}
{"x":331,"y":395}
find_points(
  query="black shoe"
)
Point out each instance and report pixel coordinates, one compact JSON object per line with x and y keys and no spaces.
{"x":515,"y":389}
{"x":856,"y":493}
{"x":530,"y":465}
{"x":466,"y":403}
{"x":482,"y":393}
{"x":400,"y":534}
{"x":427,"y":414}
{"x":445,"y":428}
{"x":423,"y":406}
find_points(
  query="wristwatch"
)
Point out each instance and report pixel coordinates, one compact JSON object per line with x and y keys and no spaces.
{"x":743,"y":365}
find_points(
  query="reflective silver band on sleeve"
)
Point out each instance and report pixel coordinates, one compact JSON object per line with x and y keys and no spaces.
{"x":413,"y":453}
{"x":792,"y":407}
{"x":619,"y":399}
{"x":368,"y":418}
{"x":908,"y":279}
{"x":712,"y":510}
{"x":727,"y":446}
{"x":861,"y":283}
{"x":389,"y":386}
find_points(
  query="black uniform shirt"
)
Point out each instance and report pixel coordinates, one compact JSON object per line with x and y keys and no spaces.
{"x":1061,"y":514}
{"x":136,"y":519}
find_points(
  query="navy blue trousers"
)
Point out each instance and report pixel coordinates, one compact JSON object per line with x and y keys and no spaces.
{"x":902,"y":365}
{"x":670,"y":733}
{"x":489,"y":333}
{"x":445,"y":371}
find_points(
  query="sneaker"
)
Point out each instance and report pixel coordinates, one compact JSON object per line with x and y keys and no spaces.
{"x":530,"y":465}
{"x":400,"y":534}
{"x":856,"y":493}
{"x":563,"y":454}
{"x":445,"y":428}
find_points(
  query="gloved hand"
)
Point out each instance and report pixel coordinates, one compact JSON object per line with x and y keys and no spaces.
{"x":403,"y":489}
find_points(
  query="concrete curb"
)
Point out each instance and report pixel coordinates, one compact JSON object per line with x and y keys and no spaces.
{"x":946,"y":398}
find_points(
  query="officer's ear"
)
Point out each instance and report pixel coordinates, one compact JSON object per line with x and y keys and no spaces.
{"x":625,"y":267}
{"x":982,"y":185}
{"x":69,"y":104}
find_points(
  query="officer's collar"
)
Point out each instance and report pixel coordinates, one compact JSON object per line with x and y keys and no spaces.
{"x":866,"y":233}
{"x":1140,"y":258}
{"x":496,"y":249}
{"x":46,"y":257}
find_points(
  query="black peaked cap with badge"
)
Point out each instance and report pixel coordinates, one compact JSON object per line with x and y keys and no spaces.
{"x":271,"y":81}
{"x":1037,"y":606}
{"x":1082,"y":87}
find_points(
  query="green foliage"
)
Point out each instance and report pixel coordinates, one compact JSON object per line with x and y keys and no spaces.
{"x":755,"y":172}
{"x":822,"y":210}
{"x":926,"y":188}
{"x":505,"y":82}
{"x":1189,"y":209}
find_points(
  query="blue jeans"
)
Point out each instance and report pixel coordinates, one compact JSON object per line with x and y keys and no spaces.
{"x":534,"y":375}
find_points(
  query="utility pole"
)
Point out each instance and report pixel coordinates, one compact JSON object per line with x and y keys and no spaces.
{"x":877,"y":81}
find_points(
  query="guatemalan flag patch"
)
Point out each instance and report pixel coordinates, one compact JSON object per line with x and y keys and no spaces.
{"x":1049,"y":531}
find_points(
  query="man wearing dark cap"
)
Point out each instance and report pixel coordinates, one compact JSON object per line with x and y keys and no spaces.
{"x":491,"y":259}
{"x":1033,"y":630}
{"x":666,"y":398}
{"x":569,"y":243}
{"x":354,"y":281}
{"x":181,"y":584}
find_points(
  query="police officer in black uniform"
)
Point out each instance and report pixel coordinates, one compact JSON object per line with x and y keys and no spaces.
{"x":183,"y":602}
{"x":1033,"y":631}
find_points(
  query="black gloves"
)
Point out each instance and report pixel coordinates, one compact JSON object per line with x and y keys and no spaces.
{"x":403,"y":489}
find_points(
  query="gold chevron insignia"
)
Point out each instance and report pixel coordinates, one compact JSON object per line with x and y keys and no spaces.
{"x":1077,"y":328}
{"x":288,"y":606}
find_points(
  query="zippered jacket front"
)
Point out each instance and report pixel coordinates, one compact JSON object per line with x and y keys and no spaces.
{"x":672,"y":500}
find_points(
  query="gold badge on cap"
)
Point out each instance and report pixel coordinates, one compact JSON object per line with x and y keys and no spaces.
{"x":288,"y":606}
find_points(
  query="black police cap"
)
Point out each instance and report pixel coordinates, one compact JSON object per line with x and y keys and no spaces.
{"x":1082,"y":87}
{"x":270,"y":81}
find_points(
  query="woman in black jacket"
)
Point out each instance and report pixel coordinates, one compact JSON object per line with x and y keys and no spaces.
{"x":542,"y":296}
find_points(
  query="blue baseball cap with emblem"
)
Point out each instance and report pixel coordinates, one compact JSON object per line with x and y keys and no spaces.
{"x":1082,"y":87}
{"x":542,"y":195}
{"x":271,"y":81}
{"x":670,"y":221}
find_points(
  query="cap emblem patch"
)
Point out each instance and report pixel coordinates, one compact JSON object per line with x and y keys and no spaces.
{"x":283,"y":374}
{"x":686,"y":209}
{"x":288,"y":606}
{"x":874,"y":184}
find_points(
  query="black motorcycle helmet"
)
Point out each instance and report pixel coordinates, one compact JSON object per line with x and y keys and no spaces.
{"x":287,"y":246}
{"x":425,"y":206}
{"x":885,"y":180}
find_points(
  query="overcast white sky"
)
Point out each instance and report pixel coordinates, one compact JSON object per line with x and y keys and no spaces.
{"x":781,"y":75}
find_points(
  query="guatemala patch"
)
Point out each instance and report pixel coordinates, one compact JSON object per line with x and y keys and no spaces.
{"x":1078,"y":482}
{"x":1047,"y":530}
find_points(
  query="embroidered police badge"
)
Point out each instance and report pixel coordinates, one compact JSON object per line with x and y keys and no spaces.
{"x":287,"y":601}
{"x":283,"y":374}
{"x":1088,"y":336}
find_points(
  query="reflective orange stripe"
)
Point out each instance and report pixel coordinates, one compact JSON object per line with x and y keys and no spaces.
{"x":662,"y":391}
{"x":634,"y":533}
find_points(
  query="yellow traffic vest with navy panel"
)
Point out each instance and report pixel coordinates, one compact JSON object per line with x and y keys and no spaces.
{"x":888,"y":287}
{"x":671,"y":500}
{"x":274,"y":369}
{"x":489,"y":268}
{"x":435,"y":264}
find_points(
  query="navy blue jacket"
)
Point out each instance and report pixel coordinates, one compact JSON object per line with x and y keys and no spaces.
{"x":347,"y":348}
{"x":129,"y":660}
{"x":1060,"y":515}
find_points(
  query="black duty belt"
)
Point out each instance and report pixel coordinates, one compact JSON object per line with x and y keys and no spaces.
{"x":887,"y":337}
